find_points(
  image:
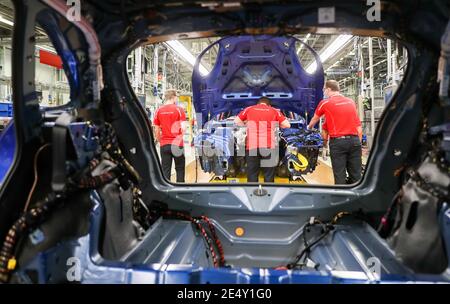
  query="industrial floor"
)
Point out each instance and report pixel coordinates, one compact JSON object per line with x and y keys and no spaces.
{"x":322,"y":175}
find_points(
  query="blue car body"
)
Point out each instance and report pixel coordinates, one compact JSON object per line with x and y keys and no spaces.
{"x":93,"y":237}
{"x":247,"y":68}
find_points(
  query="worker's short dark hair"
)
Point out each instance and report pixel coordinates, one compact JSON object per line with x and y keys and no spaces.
{"x":333,"y":85}
{"x":265,"y":100}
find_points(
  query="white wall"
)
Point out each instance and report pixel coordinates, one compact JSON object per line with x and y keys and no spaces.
{"x":45,"y":78}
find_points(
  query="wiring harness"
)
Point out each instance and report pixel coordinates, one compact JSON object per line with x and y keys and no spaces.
{"x":81,"y":180}
{"x":302,"y":149}
{"x":302,"y":259}
{"x":210,"y":237}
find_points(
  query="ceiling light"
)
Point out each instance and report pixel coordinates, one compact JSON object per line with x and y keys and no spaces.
{"x":6,"y":21}
{"x":46,"y":48}
{"x":304,"y":41}
{"x":332,"y":48}
{"x":184,"y":53}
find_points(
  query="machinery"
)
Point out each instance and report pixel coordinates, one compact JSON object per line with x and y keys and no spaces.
{"x":6,"y":113}
{"x":247,"y":68}
{"x":7,"y":138}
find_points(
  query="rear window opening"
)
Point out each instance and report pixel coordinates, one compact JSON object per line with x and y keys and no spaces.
{"x":368,"y":71}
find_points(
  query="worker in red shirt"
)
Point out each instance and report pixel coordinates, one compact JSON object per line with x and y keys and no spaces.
{"x":344,"y":128}
{"x":261,"y":144}
{"x":169,"y":127}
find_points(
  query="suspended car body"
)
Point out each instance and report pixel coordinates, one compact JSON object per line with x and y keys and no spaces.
{"x":247,"y":68}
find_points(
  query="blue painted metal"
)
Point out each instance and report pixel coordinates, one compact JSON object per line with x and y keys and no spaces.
{"x":346,"y":250}
{"x":6,"y":109}
{"x":84,"y":139}
{"x":248,"y":67}
{"x":216,"y":145}
{"x":70,"y":63}
{"x":171,"y":251}
{"x":444,"y":220}
{"x":7,"y":149}
{"x":305,"y":142}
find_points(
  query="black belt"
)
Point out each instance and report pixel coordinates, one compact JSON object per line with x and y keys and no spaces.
{"x":344,"y":136}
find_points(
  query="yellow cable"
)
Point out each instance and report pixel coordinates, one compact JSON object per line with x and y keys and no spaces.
{"x":338,"y":216}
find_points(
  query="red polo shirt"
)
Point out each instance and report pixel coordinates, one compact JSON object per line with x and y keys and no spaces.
{"x":169,"y":118}
{"x":324,"y":126}
{"x":261,"y":122}
{"x":340,"y":115}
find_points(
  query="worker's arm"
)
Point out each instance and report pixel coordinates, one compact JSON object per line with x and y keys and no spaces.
{"x":325,"y":137}
{"x":183,"y":126}
{"x":157,"y":132}
{"x":313,"y":121}
{"x":182,"y":120}
{"x":285,"y":124}
{"x":239,"y":122}
{"x":359,"y":130}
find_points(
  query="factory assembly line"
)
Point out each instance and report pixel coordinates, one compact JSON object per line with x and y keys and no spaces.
{"x":247,"y":68}
{"x":93,"y":192}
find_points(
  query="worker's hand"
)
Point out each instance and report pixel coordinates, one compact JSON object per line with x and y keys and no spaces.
{"x":324,"y":153}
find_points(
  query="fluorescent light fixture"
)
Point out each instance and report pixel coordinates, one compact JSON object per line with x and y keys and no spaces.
{"x":184,"y":53}
{"x":42,"y":47}
{"x":304,"y":41}
{"x":6,"y":21}
{"x":46,"y":48}
{"x":333,"y":47}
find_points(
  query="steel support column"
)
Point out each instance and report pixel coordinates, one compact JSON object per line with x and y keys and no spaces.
{"x":372,"y":93}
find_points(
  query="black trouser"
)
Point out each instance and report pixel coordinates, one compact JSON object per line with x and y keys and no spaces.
{"x":169,"y":152}
{"x":262,"y":158}
{"x":345,"y":156}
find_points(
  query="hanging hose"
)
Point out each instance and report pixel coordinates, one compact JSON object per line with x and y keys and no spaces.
{"x":36,"y":157}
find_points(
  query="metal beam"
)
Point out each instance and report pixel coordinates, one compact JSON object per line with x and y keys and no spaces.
{"x":389,"y":61}
{"x":372,"y":92}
